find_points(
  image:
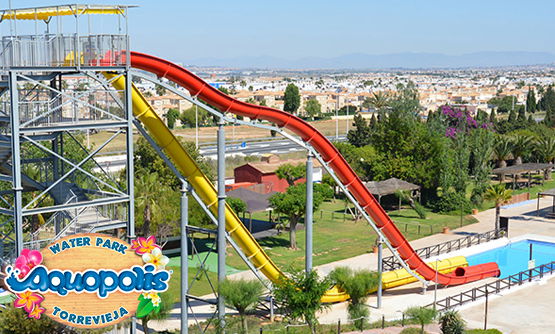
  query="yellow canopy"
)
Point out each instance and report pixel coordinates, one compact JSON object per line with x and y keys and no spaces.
{"x":45,"y":13}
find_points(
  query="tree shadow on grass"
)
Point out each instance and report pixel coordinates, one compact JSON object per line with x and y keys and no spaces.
{"x":395,"y":214}
{"x":273,"y":242}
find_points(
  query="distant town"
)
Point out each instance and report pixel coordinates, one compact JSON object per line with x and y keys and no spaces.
{"x":350,"y":92}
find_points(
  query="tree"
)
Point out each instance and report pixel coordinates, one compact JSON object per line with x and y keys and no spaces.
{"x":291,"y":173}
{"x":502,"y":150}
{"x":236,"y":204}
{"x":531,"y":101}
{"x":160,"y":91}
{"x":378,"y":101}
{"x":147,"y":196}
{"x":292,"y":204}
{"x":451,"y":322}
{"x":243,"y":295}
{"x":189,"y":117}
{"x":547,"y":102}
{"x":521,"y":119}
{"x":481,"y":148}
{"x":359,"y":135}
{"x":545,"y":150}
{"x":504,"y":104}
{"x":292,"y":99}
{"x":521,"y":145}
{"x":500,"y":195}
{"x":312,"y":108}
{"x":512,"y":117}
{"x":300,"y":296}
{"x":492,"y":117}
{"x":357,"y":285}
{"x":171,"y":116}
{"x":422,"y":315}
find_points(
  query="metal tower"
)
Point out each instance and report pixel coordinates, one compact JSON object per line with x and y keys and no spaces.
{"x":54,"y":98}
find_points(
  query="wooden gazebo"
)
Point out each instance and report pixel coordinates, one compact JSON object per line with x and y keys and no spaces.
{"x":390,"y":187}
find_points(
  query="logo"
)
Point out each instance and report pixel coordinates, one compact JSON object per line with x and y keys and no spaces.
{"x":90,"y":280}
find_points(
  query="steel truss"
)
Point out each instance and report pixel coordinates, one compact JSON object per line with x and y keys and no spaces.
{"x":298,"y":141}
{"x":37,"y":118}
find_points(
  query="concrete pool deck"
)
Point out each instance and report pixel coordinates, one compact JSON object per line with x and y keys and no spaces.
{"x":533,"y":317}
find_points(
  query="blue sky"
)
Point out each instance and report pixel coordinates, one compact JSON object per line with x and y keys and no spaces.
{"x":181,"y":29}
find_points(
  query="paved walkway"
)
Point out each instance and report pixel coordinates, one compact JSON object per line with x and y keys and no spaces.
{"x":523,"y":220}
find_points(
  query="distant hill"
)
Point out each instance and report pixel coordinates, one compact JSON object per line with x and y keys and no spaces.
{"x":406,"y":60}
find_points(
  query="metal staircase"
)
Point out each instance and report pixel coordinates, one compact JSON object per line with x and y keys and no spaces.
{"x":82,"y":220}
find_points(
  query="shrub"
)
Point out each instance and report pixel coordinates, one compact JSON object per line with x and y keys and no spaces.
{"x":451,"y":323}
{"x":452,"y":201}
{"x":412,"y":330}
{"x":15,"y":320}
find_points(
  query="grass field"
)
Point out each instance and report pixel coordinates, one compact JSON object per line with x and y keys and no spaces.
{"x":341,"y":237}
{"x":208,"y":134}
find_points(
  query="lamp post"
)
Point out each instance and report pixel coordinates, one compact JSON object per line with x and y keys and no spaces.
{"x":347,"y":131}
{"x":196,"y":126}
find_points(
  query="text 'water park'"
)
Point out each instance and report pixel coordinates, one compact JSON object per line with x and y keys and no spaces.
{"x":140,"y":194}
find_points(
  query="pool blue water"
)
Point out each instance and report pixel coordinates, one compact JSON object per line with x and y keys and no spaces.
{"x":513,"y":258}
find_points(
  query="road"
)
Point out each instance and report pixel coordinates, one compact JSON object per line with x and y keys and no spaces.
{"x":278,"y":146}
{"x":115,"y":162}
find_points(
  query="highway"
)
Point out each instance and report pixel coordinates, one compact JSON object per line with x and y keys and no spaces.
{"x":115,"y":162}
{"x":277,"y":146}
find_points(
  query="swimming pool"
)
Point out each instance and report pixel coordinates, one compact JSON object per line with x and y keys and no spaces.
{"x":513,"y":258}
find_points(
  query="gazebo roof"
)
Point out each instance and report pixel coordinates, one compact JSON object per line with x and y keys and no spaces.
{"x":522,"y":168}
{"x":389,"y":186}
{"x":255,"y":201}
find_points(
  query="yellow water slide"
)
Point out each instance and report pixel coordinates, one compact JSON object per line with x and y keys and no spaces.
{"x":207,"y":192}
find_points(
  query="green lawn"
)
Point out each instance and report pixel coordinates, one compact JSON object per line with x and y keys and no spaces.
{"x":341,"y":237}
{"x":198,"y":287}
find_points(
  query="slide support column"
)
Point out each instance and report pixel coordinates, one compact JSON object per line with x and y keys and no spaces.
{"x":16,"y":162}
{"x":221,"y":220}
{"x":380,"y":271}
{"x":308,"y":212}
{"x":130,"y":169}
{"x":184,"y":256}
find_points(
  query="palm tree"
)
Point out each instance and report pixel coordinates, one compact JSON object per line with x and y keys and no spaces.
{"x":502,"y":150}
{"x":242,"y":295}
{"x":499,"y":195}
{"x":379,"y":100}
{"x":147,"y":189}
{"x":545,"y":150}
{"x":521,"y":146}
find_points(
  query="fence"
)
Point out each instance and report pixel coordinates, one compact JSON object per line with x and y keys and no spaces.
{"x":419,"y":229}
{"x":494,"y":287}
{"x":391,"y":263}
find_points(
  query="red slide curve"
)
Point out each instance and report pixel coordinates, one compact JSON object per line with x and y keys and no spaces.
{"x":197,"y":87}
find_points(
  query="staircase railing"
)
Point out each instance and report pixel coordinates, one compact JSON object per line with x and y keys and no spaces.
{"x":494,"y":287}
{"x":391,"y":263}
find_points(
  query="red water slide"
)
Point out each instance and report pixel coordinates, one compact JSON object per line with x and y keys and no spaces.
{"x":197,"y":87}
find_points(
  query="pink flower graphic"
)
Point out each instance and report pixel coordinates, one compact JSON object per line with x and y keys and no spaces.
{"x":27,"y":300}
{"x":37,"y":311}
{"x":27,"y":261}
{"x":144,"y":245}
